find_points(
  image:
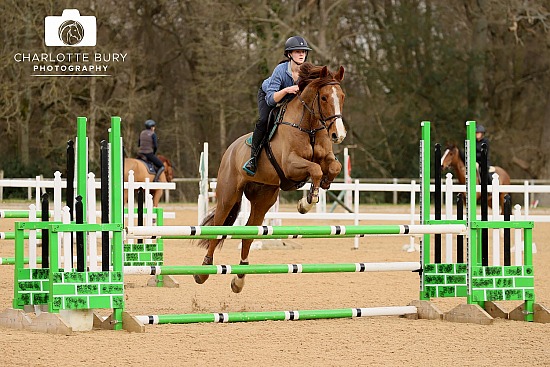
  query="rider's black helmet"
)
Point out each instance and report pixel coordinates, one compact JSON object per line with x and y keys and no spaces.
{"x":149,"y":124}
{"x":480,"y":129}
{"x":296,"y":43}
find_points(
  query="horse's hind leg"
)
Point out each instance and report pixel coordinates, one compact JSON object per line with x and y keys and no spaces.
{"x":225,"y":213}
{"x":261,"y":199}
{"x":208,"y":260}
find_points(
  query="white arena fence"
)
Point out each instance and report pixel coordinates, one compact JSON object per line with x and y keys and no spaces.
{"x":39,"y":184}
{"x":449,"y":190}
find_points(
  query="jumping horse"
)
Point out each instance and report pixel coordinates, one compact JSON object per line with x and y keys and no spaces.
{"x":141,"y":172}
{"x":300,"y":148}
{"x":452,"y":158}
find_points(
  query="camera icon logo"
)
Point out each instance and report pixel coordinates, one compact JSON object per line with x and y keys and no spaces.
{"x":70,"y":29}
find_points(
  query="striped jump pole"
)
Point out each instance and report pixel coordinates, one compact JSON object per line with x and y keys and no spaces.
{"x":11,"y":260}
{"x":272,"y":268}
{"x":277,"y":315}
{"x":11,"y":235}
{"x":182,"y":232}
{"x":20,"y":214}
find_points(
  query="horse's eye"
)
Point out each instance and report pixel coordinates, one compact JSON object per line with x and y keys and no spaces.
{"x":323,"y":98}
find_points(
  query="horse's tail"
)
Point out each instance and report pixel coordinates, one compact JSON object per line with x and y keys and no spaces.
{"x":209,"y":219}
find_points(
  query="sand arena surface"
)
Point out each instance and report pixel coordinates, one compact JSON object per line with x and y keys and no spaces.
{"x":376,"y":341}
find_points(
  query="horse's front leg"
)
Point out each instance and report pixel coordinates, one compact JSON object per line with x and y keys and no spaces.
{"x":331,"y":168}
{"x":305,"y":204}
{"x":157,"y":194}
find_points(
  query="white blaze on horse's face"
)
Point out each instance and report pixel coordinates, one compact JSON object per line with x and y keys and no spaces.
{"x":443,"y":159}
{"x":340,"y":129}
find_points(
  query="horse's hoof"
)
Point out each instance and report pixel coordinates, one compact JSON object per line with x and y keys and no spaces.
{"x":237,"y":284}
{"x":304,"y":206}
{"x":325,"y":185}
{"x":199,"y":279}
{"x":301,"y":209}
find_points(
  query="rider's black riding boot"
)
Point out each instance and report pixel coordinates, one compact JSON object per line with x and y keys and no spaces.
{"x":159,"y":172}
{"x":251,"y":165}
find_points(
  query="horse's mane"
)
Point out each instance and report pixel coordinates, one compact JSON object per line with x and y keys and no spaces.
{"x":169,"y":172}
{"x":164,"y":159}
{"x":310,"y":75}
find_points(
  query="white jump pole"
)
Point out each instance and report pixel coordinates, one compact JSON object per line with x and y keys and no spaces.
{"x":495,"y":204}
{"x":518,"y":258}
{"x":67,"y":243}
{"x":57,"y":210}
{"x":411,"y":247}
{"x":448,"y":216}
{"x":131,"y":204}
{"x":32,"y":238}
{"x":347,"y":177}
{"x":92,"y":219}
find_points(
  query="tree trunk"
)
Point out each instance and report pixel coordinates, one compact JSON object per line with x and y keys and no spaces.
{"x":223,"y":128}
{"x":543,"y":143}
{"x":478,"y":51}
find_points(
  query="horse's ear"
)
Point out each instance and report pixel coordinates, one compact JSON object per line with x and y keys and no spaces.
{"x":324,"y":72}
{"x":340,"y":75}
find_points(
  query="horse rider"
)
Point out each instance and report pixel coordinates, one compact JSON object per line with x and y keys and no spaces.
{"x":148,"y":144}
{"x":481,"y":139}
{"x":282,"y":82}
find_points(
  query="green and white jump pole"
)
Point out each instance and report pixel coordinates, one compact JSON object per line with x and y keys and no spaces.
{"x":219,"y":232}
{"x":273,"y":268}
{"x":277,"y":315}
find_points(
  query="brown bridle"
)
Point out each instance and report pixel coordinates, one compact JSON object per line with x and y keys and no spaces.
{"x":323,"y":120}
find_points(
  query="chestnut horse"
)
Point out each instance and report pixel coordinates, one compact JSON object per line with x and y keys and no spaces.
{"x":141,"y":173}
{"x":452,"y":158}
{"x":302,"y":150}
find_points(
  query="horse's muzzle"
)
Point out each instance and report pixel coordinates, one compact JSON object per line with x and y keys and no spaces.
{"x":338,"y":139}
{"x":339,"y":134}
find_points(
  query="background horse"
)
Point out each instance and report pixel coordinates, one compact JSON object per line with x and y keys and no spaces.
{"x":141,"y":173}
{"x":302,"y":148}
{"x":452,"y":158}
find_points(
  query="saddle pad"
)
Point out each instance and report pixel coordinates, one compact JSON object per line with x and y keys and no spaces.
{"x":275,"y":117}
{"x":150,"y":166}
